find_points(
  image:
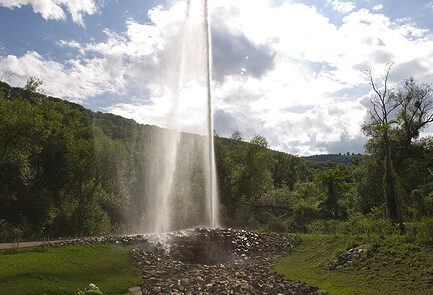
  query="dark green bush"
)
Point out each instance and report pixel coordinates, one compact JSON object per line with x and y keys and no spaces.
{"x":277,"y":225}
{"x":425,"y":228}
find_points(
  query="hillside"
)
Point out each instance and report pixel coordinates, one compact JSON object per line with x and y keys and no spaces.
{"x":69,"y":171}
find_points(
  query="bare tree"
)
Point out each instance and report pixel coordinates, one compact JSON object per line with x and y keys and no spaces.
{"x":382,"y":101}
{"x":6,"y":77}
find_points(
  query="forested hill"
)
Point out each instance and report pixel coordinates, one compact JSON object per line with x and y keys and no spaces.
{"x":331,"y":160}
{"x":68,"y":171}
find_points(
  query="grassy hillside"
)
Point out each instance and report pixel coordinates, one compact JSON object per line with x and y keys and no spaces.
{"x":391,"y":266}
{"x":64,"y":270}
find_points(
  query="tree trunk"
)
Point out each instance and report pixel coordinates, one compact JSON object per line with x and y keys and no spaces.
{"x":391,"y":189}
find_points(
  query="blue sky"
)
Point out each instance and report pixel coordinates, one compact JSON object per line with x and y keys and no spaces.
{"x":287,"y":70}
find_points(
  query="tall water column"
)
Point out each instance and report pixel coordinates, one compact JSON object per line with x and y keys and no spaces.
{"x":189,"y":86}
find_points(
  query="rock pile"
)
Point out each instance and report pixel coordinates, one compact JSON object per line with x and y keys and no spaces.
{"x":242,"y":266}
{"x":347,"y":257}
{"x":213,"y":246}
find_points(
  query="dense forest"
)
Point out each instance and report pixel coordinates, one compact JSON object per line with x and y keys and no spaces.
{"x":68,"y":171}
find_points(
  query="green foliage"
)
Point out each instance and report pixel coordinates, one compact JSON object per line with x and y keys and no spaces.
{"x":277,"y":225}
{"x":92,"y":289}
{"x":57,"y":177}
{"x":426,"y":230}
{"x":372,"y":226}
{"x":397,"y":157}
{"x":420,"y":231}
{"x":33,"y":84}
{"x":303,"y":214}
{"x":66,"y":171}
{"x":334,"y":186}
{"x":325,"y":226}
{"x":331,"y":160}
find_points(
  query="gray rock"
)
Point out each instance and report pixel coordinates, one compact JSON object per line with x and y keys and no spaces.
{"x":347,"y":257}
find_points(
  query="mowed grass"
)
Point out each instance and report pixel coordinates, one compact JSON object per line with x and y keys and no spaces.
{"x":390,"y":267}
{"x":64,"y":270}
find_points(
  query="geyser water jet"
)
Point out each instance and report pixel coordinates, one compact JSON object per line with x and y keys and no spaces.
{"x":213,"y":199}
{"x":173,"y":184}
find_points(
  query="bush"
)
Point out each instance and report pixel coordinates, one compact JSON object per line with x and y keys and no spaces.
{"x":303,"y":214}
{"x":5,"y":230}
{"x":376,"y":228}
{"x":93,"y":289}
{"x":324,"y":226}
{"x":372,"y":225}
{"x":277,"y":225}
{"x":425,"y":227}
{"x":411,"y":232}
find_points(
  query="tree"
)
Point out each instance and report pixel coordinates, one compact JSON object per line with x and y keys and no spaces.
{"x":33,"y":84}
{"x":288,"y":170}
{"x":415,"y":102}
{"x":6,"y":76}
{"x":383,"y":109}
{"x":334,"y":186}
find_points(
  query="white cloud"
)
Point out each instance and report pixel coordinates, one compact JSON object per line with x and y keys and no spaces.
{"x":378,"y":7}
{"x":342,"y":6}
{"x":306,"y":98}
{"x":55,"y":9}
{"x":315,"y":60}
{"x":76,"y":80}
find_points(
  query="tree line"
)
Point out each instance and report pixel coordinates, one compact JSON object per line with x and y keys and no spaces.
{"x":68,"y":171}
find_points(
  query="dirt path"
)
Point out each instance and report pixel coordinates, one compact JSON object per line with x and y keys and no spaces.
{"x":6,"y":246}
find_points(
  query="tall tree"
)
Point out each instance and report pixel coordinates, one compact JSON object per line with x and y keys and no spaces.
{"x":379,"y":127}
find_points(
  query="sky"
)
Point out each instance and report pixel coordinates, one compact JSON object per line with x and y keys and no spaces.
{"x":290,"y":71}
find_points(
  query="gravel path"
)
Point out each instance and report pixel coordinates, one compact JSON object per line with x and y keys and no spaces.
{"x":6,"y":246}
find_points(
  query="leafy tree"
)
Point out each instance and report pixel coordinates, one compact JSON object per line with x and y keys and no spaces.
{"x":33,"y":84}
{"x":415,"y":103}
{"x":379,"y":128}
{"x":334,"y":186}
{"x":289,"y":170}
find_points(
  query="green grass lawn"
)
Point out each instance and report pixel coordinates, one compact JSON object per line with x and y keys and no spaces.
{"x":390,"y":267}
{"x":64,"y":270}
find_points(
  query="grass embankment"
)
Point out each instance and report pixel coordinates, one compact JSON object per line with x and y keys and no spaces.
{"x":391,"y":266}
{"x":64,"y":270}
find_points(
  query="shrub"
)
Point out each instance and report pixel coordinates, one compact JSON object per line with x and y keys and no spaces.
{"x":411,"y":232}
{"x":323,"y":226}
{"x":5,"y":230}
{"x":277,"y":225}
{"x":93,"y":289}
{"x":425,"y":227}
{"x":303,"y":214}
